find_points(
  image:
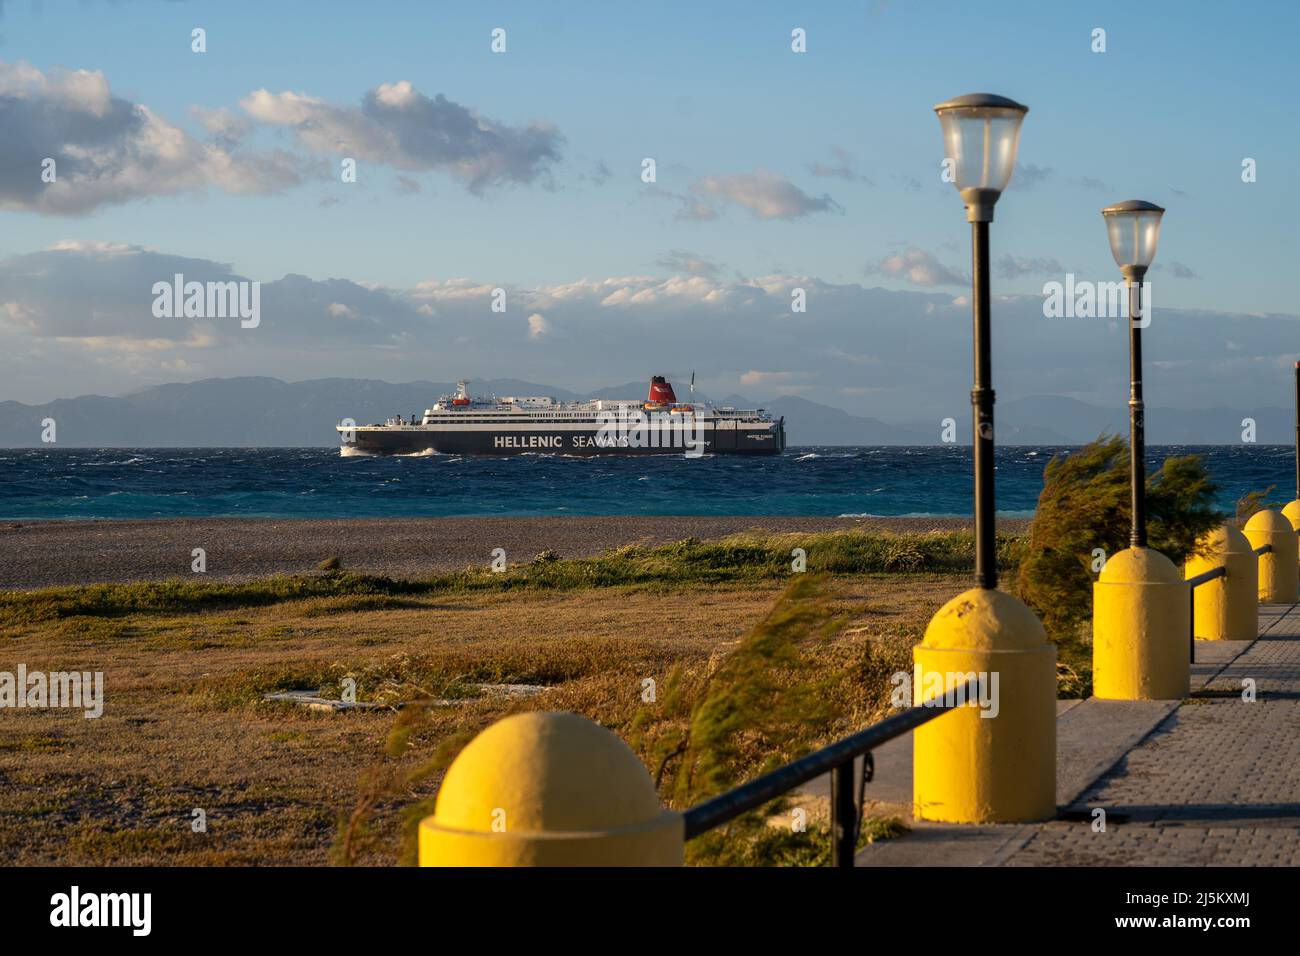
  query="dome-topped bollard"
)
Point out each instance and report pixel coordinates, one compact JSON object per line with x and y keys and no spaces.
{"x":1279,"y":569}
{"x":1292,"y":514}
{"x":549,"y":789}
{"x":968,"y":767}
{"x":1139,"y":629}
{"x":1227,"y":608}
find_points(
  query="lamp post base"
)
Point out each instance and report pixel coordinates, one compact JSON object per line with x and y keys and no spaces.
{"x":1140,"y":619}
{"x":994,"y":762}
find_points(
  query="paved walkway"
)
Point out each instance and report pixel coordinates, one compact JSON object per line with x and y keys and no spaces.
{"x":1213,"y":781}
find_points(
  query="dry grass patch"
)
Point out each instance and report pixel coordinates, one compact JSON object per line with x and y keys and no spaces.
{"x":184,"y":725}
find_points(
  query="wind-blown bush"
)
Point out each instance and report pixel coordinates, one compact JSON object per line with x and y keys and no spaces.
{"x":1085,"y":505}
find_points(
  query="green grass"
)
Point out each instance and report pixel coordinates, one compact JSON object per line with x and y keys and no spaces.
{"x":685,"y":563}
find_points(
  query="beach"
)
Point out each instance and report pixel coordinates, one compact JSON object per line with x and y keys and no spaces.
{"x":40,"y":554}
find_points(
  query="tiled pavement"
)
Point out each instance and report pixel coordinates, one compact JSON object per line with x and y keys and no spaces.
{"x":1217,"y":781}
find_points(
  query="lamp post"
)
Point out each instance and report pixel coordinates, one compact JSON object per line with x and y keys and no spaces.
{"x":1292,"y":510}
{"x":1134,"y":230}
{"x":1140,"y":610}
{"x":981,"y":133}
{"x":968,"y":767}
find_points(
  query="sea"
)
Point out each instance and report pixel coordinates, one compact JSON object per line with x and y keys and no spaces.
{"x":51,"y":484}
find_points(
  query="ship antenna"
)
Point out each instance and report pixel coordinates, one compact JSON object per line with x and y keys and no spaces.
{"x":692,"y":385}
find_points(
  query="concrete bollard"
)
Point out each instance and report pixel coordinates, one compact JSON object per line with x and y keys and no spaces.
{"x":1227,"y":608}
{"x":968,"y":768}
{"x":549,"y":789}
{"x":1292,"y":513}
{"x":1279,"y":569}
{"x":1139,"y":629}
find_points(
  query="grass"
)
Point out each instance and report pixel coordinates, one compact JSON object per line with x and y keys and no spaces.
{"x":689,"y":562}
{"x":778,"y":843}
{"x":187,"y":664}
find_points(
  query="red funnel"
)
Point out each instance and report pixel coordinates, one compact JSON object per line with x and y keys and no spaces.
{"x":661,"y":391}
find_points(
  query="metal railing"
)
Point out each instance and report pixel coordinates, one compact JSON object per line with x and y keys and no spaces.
{"x":1205,"y":577}
{"x":837,"y":759}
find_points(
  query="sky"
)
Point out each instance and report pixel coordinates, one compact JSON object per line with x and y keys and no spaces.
{"x":522,"y":170}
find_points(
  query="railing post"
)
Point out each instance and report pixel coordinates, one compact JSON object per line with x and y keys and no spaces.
{"x":844,"y":816}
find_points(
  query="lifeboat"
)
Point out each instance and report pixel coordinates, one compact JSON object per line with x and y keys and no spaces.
{"x":460,"y":401}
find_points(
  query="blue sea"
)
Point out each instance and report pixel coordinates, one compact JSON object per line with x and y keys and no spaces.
{"x":319,"y":483}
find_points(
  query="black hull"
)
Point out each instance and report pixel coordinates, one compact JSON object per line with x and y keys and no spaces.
{"x":414,"y":440}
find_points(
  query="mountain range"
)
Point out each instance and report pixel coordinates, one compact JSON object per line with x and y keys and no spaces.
{"x":267,"y":412}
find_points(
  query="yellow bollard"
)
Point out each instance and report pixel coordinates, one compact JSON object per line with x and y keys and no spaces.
{"x":1279,"y":570}
{"x":1292,"y":513}
{"x":549,"y":789}
{"x":1140,"y":628}
{"x":968,"y":768}
{"x":1227,"y":608}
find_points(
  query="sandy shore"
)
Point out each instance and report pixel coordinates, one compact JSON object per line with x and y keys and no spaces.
{"x":46,"y":553}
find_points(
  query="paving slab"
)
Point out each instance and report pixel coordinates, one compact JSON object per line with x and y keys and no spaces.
{"x":1213,"y":780}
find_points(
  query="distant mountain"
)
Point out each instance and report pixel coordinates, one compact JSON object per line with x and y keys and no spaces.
{"x":234,"y":412}
{"x":809,"y":423}
{"x":1071,"y":422}
{"x":266,"y":412}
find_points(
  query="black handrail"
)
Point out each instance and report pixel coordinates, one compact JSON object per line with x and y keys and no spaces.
{"x":837,"y":758}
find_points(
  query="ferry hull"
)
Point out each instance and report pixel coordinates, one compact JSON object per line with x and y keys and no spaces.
{"x":418,"y":439}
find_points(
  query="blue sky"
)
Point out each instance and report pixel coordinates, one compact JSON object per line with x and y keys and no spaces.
{"x":1182,"y":94}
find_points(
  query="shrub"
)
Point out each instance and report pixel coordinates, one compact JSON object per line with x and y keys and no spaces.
{"x":1085,"y":505}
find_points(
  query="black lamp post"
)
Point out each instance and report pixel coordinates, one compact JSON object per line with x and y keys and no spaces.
{"x":981,"y":133}
{"x":1134,"y":230}
{"x":1297,"y":431}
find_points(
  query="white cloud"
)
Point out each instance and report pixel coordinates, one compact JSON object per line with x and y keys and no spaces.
{"x":753,"y":377}
{"x":917,"y":267}
{"x":399,"y":126}
{"x":74,"y":316}
{"x":537,"y":325}
{"x":108,"y":150}
{"x":766,"y":194}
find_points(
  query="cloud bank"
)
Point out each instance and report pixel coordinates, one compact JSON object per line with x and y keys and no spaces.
{"x":76,"y":317}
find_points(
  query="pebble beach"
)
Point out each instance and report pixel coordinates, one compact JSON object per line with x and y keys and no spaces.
{"x":39,"y":554}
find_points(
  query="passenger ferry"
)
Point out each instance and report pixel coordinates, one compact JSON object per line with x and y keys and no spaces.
{"x":515,"y":425}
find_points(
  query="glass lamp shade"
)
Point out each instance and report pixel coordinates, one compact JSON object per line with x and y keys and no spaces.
{"x":981,"y":133}
{"x":1134,"y":230}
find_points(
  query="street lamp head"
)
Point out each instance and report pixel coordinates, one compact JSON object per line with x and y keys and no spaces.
{"x":1134,"y":230}
{"x":981,"y":133}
